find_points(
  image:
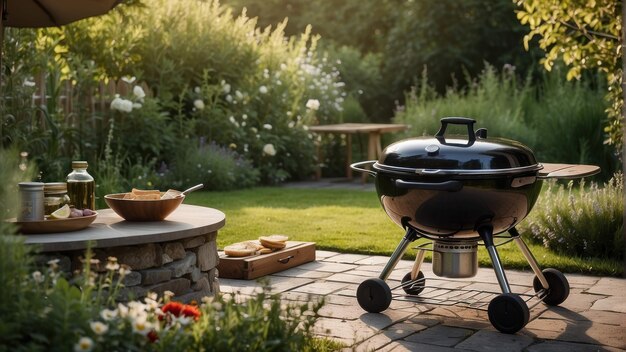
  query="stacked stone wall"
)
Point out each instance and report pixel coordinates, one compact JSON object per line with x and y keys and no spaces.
{"x":186,"y":267}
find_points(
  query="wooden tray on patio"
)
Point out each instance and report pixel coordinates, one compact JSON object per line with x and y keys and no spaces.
{"x":255,"y":266}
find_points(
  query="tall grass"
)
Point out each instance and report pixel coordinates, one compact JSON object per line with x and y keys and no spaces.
{"x":495,"y":101}
{"x":561,"y":121}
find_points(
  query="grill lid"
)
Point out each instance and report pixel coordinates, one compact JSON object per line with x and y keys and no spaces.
{"x":473,"y":154}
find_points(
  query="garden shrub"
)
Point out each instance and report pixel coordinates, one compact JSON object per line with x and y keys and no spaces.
{"x":583,"y":221}
{"x":446,"y":36}
{"x":210,"y":76}
{"x":217,"y":167}
{"x":44,"y":309}
{"x":244,"y":87}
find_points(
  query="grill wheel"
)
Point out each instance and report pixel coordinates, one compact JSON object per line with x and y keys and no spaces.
{"x":559,"y":286}
{"x":417,"y":286}
{"x":508,"y":313}
{"x":374,"y":295}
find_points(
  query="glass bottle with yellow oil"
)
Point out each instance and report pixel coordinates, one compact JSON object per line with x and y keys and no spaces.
{"x":81,"y":187}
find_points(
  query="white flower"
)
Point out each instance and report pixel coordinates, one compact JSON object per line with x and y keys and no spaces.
{"x":99,"y":327}
{"x":108,"y":314}
{"x":141,"y":326}
{"x":137,"y":105}
{"x":199,"y":104}
{"x":112,"y":266}
{"x":291,"y":124}
{"x":139,"y":93}
{"x":122,"y":310}
{"x":269,"y":149}
{"x":197,"y":89}
{"x":28,"y":83}
{"x":126,"y":106}
{"x":122,"y":105}
{"x":267,"y":126}
{"x":124,"y":271}
{"x":239,"y":95}
{"x":232,"y":120}
{"x":151,"y":304}
{"x":38,"y":277}
{"x":229,"y":98}
{"x":85,"y":344}
{"x":313,"y":104}
{"x":207,"y":299}
{"x":225,"y":87}
{"x":128,"y":79}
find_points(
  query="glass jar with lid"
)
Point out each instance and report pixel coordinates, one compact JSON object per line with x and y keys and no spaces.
{"x":81,"y":187}
{"x":55,"y":196}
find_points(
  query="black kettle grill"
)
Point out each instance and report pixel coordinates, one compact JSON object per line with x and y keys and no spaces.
{"x":459,"y":192}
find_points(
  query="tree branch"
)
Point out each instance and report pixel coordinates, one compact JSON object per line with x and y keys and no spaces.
{"x":585,"y":31}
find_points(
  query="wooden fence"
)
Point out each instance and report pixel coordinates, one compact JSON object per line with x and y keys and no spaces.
{"x":73,"y":103}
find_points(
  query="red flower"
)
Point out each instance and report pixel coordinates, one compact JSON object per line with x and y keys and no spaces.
{"x":177,"y":308}
{"x":191,"y":311}
{"x":153,"y":336}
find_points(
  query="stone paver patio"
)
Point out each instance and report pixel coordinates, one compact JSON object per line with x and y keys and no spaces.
{"x":593,"y":318}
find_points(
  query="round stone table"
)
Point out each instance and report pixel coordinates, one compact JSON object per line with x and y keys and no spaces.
{"x":178,"y":254}
{"x":110,"y":230}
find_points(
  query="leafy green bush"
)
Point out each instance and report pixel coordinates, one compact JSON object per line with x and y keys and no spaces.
{"x":218,"y":168}
{"x":240,"y":86}
{"x":43,"y":309}
{"x":212,"y":76}
{"x":585,"y":221}
{"x":446,"y":36}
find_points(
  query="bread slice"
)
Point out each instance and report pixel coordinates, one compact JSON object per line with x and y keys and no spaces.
{"x":240,"y":249}
{"x":171,"y":193}
{"x":272,"y":244}
{"x":138,"y":192}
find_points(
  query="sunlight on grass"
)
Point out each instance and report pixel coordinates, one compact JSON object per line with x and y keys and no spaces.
{"x":350,"y":221}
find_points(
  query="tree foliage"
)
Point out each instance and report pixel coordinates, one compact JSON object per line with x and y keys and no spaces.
{"x":452,"y":38}
{"x":585,"y":35}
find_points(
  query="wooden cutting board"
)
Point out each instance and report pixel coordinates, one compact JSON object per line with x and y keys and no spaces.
{"x":254,"y":266}
{"x":567,"y":171}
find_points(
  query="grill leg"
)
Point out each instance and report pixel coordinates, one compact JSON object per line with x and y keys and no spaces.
{"x":410,"y":236}
{"x":486,"y":233}
{"x":529,"y":257}
{"x":419,"y":259}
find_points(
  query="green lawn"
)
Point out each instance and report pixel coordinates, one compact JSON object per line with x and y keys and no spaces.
{"x":349,"y":221}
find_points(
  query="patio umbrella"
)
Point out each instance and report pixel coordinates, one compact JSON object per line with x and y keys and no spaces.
{"x":51,"y":13}
{"x":48,"y":13}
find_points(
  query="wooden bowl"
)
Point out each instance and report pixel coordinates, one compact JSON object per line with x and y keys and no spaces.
{"x":142,"y":210}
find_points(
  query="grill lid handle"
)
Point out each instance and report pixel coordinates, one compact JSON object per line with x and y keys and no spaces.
{"x":448,"y":186}
{"x":471,"y":136}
